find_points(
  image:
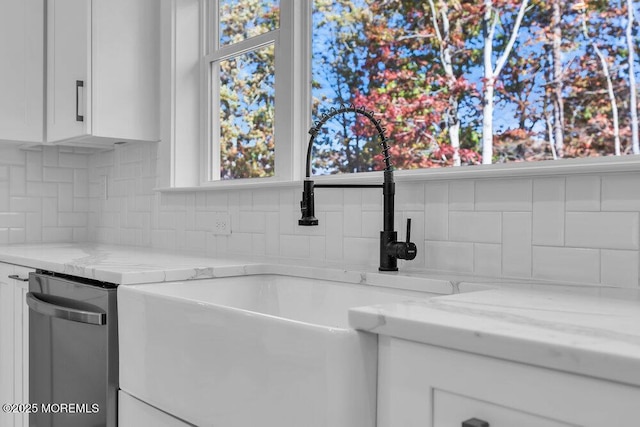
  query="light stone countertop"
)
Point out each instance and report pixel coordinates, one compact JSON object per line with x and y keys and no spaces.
{"x":587,"y":330}
{"x":582,"y":334}
{"x":125,"y":265}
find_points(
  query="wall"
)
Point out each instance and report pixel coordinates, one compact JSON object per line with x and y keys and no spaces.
{"x":43,"y":194}
{"x":581,"y":228}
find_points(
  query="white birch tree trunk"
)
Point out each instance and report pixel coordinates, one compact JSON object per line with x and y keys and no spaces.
{"x":607,"y":75}
{"x":558,"y":104}
{"x":633,"y":88}
{"x":491,"y":74}
{"x":446,"y":57}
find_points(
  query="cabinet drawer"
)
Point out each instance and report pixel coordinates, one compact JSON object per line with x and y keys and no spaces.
{"x":420,"y":385}
{"x":451,"y":410}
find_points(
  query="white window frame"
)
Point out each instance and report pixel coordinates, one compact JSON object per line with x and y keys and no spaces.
{"x":184,"y":151}
{"x":291,"y":94}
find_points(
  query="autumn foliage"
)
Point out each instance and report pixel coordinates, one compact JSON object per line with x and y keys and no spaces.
{"x":418,"y":64}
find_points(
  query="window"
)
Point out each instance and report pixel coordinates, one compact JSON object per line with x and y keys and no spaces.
{"x":460,"y":84}
{"x":248,"y":67}
{"x":455,"y":85}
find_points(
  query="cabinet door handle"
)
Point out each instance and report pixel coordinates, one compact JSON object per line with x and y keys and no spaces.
{"x":79,"y":84}
{"x":17,"y":277}
{"x":474,"y":422}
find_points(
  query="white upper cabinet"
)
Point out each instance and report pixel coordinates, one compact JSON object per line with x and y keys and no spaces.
{"x":68,"y":68}
{"x":102,"y":71}
{"x":22,"y":70}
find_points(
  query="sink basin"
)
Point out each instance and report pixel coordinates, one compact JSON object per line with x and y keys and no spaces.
{"x":263,"y":350}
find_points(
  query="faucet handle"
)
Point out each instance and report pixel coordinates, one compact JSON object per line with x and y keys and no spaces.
{"x":408,"y":230}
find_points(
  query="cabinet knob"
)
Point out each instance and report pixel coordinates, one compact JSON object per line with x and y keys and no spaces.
{"x":474,"y":422}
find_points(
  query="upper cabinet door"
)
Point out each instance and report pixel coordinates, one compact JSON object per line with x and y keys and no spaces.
{"x":68,"y":69}
{"x":126,"y":69}
{"x":22,"y":70}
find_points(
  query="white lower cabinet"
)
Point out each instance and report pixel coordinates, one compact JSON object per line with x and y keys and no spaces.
{"x":135,"y":413}
{"x":14,"y":344}
{"x":428,"y":386}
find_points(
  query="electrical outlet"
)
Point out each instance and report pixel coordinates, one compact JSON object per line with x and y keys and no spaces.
{"x":221,"y":223}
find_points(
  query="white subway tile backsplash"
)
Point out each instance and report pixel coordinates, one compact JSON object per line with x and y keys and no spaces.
{"x":372,"y":223}
{"x":487,"y":259}
{"x":57,"y":234}
{"x":17,"y":235}
{"x":462,"y":195}
{"x":294,"y":246}
{"x":34,"y":166}
{"x":516,"y":244}
{"x":72,"y":219}
{"x":49,"y":212}
{"x":361,"y":250}
{"x":620,"y":268}
{"x":201,"y":200}
{"x":4,"y":196}
{"x":245,"y":199}
{"x":57,"y":174}
{"x":449,"y":256}
{"x":81,"y":183}
{"x":33,"y":227}
{"x":18,"y":179}
{"x":372,"y":199}
{"x":409,"y":196}
{"x":548,"y":211}
{"x":333,"y":243}
{"x":480,"y":227}
{"x":49,"y":156}
{"x":352,"y":210}
{"x":251,"y":222}
{"x":621,"y":192}
{"x":583,"y":193}
{"x":317,"y":247}
{"x":327,"y":199}
{"x":239,"y":243}
{"x":65,"y":197}
{"x":289,"y":212}
{"x":272,"y":242}
{"x":610,"y":230}
{"x":515,"y":228}
{"x":73,"y":160}
{"x":266,"y":200}
{"x":12,"y":156}
{"x":25,"y":204}
{"x":566,"y":264}
{"x":503,"y":195}
{"x":12,"y":220}
{"x":436,"y":211}
{"x":81,"y":204}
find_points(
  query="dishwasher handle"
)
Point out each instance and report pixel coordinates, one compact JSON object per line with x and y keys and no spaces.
{"x":67,"y":313}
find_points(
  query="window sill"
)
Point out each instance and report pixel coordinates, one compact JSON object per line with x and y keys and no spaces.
{"x":511,"y":170}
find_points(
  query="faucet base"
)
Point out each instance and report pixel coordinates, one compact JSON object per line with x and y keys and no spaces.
{"x":387,"y":262}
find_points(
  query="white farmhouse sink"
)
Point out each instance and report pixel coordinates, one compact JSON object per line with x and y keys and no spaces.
{"x":262,"y":350}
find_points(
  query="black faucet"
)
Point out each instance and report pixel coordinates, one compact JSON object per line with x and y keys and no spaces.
{"x":390,"y":248}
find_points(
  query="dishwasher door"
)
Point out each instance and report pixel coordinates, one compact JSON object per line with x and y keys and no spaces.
{"x":73,"y":353}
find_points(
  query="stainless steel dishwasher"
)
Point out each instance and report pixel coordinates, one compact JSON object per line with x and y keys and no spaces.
{"x":73,"y":351}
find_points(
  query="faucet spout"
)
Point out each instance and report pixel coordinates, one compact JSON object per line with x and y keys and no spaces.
{"x":390,"y":249}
